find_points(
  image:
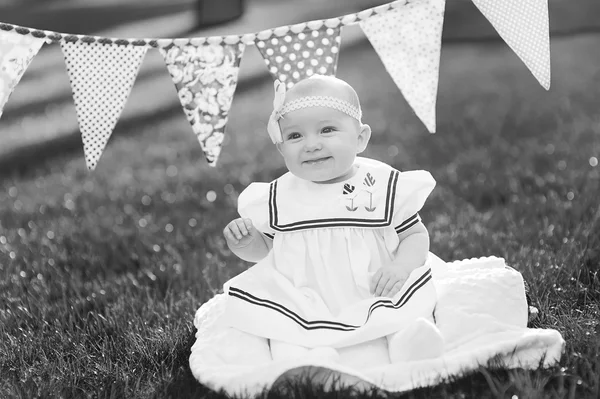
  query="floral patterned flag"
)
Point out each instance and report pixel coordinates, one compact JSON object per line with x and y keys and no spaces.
{"x":292,"y":56}
{"x":205,"y":77}
{"x":101,"y":76}
{"x":408,"y":40}
{"x":16,"y":53}
{"x":523,"y":24}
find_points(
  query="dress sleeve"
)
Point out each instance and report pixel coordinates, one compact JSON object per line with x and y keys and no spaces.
{"x":253,"y":203}
{"x":412,"y":189}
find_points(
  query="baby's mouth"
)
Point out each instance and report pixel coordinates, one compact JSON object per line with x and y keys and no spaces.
{"x":316,"y":161}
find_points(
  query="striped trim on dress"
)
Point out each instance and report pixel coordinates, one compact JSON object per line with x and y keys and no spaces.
{"x":334,"y":222}
{"x":325,"y":324}
{"x":408,"y":223}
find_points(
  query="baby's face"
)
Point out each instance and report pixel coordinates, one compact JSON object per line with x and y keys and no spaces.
{"x":320,"y":143}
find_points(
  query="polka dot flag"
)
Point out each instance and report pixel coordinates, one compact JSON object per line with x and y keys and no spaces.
{"x":523,"y":24}
{"x":101,"y":76}
{"x":408,"y":40}
{"x":16,"y":53}
{"x":296,"y":56}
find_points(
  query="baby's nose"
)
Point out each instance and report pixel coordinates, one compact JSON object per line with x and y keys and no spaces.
{"x":313,"y":143}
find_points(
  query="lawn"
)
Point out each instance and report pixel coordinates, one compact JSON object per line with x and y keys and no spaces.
{"x":101,"y":273}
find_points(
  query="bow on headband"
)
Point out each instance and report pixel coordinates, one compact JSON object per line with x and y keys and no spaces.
{"x":273,"y":125}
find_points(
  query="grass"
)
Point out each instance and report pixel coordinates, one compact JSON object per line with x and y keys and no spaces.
{"x":101,"y":273}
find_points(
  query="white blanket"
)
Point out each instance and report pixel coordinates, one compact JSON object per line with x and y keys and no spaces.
{"x":481,"y":313}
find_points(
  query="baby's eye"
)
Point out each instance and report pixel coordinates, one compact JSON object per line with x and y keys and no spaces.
{"x":293,"y":136}
{"x":328,"y":129}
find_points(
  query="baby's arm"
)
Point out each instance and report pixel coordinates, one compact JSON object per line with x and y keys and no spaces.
{"x":413,"y":248}
{"x":410,"y":254}
{"x":244,"y":240}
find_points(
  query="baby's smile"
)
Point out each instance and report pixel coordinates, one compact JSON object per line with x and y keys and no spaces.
{"x":317,"y":161}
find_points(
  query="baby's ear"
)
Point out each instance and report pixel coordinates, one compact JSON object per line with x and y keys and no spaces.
{"x":278,"y":145}
{"x":363,"y":138}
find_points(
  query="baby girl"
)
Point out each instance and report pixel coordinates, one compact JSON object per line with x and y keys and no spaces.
{"x":340,"y":250}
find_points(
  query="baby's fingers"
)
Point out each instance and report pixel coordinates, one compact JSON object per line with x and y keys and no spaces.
{"x":241,"y":225}
{"x":381,"y":283}
{"x":249,"y":225}
{"x":374,"y":280}
{"x":235,"y":230}
{"x":391,"y":288}
{"x":395,"y":289}
{"x":229,"y":236}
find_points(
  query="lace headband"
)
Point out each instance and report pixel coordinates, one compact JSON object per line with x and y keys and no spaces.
{"x":280,"y":108}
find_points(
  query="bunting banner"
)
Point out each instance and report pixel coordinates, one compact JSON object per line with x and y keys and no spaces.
{"x":525,"y":28}
{"x":101,"y":76}
{"x":16,"y":53}
{"x":406,"y":35}
{"x":205,"y":77}
{"x":297,"y":55}
{"x":412,"y":54}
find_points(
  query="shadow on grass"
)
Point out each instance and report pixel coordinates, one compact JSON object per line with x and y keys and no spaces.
{"x":183,"y":383}
{"x":492,"y":381}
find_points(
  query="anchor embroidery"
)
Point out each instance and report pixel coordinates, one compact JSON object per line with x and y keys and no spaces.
{"x":349,"y":189}
{"x":369,"y":182}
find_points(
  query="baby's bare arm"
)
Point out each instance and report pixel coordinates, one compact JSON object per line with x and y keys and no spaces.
{"x":410,"y":254}
{"x":244,"y":240}
{"x":413,"y":248}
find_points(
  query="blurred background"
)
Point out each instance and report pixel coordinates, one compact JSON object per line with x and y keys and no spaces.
{"x":101,"y":272}
{"x":35,"y":119}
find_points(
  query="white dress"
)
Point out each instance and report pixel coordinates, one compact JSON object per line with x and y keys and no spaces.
{"x":312,"y":289}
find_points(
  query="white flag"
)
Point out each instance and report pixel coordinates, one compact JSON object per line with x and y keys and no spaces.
{"x":523,"y":24}
{"x":102,"y":76}
{"x":16,"y":53}
{"x":408,"y":40}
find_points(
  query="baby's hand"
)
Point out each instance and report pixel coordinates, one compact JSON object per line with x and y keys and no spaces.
{"x":239,"y":233}
{"x":388,"y":281}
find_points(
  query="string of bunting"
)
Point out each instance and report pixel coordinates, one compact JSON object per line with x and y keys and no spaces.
{"x":249,"y":38}
{"x":406,"y":35}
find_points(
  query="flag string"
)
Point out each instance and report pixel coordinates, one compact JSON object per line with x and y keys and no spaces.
{"x":249,"y":38}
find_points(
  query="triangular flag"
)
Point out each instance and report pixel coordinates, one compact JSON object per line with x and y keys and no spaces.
{"x":101,"y":76}
{"x":523,"y":24}
{"x":205,"y":77}
{"x":408,"y":40}
{"x":16,"y":53}
{"x":296,"y":56}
